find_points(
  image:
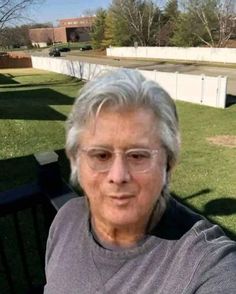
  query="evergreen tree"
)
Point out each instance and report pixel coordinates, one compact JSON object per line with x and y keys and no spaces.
{"x":168,"y":23}
{"x":98,"y":29}
{"x":116,"y":31}
{"x":183,"y":33}
{"x":171,"y":11}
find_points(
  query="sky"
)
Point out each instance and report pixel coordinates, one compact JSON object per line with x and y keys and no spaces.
{"x":52,"y":10}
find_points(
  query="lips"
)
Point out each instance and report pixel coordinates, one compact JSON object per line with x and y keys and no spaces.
{"x":121,"y":199}
{"x":121,"y":195}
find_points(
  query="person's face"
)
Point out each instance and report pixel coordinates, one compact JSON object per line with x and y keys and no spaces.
{"x":119,"y":197}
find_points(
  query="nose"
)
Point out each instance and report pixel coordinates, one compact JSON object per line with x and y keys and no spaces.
{"x":119,"y":172}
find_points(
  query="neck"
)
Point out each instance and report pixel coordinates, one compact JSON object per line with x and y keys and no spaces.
{"x":118,"y":235}
{"x":129,"y":235}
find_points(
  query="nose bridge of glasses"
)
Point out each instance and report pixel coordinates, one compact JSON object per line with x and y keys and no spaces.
{"x":119,"y":159}
{"x":119,"y":152}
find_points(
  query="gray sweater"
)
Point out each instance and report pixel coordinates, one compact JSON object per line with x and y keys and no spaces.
{"x":183,"y":254}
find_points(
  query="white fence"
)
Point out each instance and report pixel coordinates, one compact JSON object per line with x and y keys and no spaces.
{"x":198,"y":89}
{"x":75,"y":68}
{"x":221,"y":55}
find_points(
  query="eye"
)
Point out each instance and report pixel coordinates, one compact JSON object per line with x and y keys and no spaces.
{"x":138,"y":155}
{"x":99,"y":154}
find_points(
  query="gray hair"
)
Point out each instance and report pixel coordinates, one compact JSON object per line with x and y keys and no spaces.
{"x":120,"y":89}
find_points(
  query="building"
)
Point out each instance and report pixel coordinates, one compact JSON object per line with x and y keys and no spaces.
{"x":42,"y":37}
{"x":84,"y":21}
{"x":68,"y":30}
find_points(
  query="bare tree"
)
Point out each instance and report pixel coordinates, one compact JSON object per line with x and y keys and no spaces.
{"x":216,"y":18}
{"x":141,"y":16}
{"x":225,"y":18}
{"x":11,"y":10}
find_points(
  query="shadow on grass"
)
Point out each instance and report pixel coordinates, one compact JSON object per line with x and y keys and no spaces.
{"x":221,"y":207}
{"x":230,"y":100}
{"x":7,"y":79}
{"x":37,"y":84}
{"x":32,"y":104}
{"x":201,"y":192}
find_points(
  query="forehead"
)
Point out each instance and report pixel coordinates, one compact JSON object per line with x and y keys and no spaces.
{"x":122,"y":129}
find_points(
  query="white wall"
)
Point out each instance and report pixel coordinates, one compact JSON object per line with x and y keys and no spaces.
{"x":221,"y":55}
{"x":40,"y":44}
{"x":198,"y":89}
{"x":75,"y":68}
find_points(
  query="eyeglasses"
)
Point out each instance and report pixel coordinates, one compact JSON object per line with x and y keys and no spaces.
{"x":138,"y":160}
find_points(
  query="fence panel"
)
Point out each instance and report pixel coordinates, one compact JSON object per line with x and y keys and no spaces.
{"x":200,"y":54}
{"x":198,"y":89}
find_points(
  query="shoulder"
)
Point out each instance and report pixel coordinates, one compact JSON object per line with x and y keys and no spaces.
{"x":193,"y":235}
{"x":215,"y":245}
{"x":210,"y":240}
{"x":215,"y":270}
{"x":185,"y":225}
{"x":210,"y":252}
{"x":67,"y":225}
{"x":210,"y":233}
{"x":71,"y":215}
{"x":75,"y":206}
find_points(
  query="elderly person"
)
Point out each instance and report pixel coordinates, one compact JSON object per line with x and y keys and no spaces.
{"x":127,"y":234}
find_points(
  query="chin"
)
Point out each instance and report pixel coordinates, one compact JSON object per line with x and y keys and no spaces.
{"x":122,"y":219}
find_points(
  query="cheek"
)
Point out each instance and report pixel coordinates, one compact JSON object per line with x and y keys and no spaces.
{"x":83,"y":174}
{"x":89,"y":181}
{"x":151,"y":186}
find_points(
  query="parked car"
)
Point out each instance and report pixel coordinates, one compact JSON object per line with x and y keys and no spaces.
{"x":55,"y":52}
{"x":64,"y":49}
{"x":86,"y":47}
{"x":3,"y":53}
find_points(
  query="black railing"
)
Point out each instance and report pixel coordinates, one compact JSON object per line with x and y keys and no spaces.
{"x":25,"y":217}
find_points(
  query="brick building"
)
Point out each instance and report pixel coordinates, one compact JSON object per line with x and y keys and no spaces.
{"x":68,"y":30}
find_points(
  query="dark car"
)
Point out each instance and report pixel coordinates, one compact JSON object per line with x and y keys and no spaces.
{"x":55,"y":52}
{"x":64,"y":49}
{"x":86,"y":47}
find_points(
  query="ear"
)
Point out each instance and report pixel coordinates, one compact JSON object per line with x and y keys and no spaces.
{"x":168,"y":166}
{"x":74,"y":169}
{"x":164,"y":177}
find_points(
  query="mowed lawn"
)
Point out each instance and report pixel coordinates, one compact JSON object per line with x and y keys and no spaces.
{"x":34,"y":105}
{"x":205,"y":178}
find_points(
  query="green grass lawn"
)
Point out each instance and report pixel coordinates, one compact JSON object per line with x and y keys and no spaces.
{"x":205,"y":178}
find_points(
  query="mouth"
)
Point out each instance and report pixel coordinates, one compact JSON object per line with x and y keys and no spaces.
{"x":120,"y":200}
